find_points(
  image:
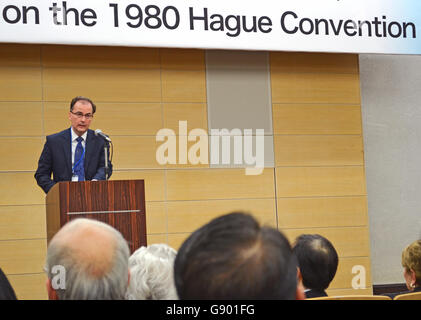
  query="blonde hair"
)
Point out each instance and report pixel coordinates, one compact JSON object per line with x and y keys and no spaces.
{"x":411,"y":259}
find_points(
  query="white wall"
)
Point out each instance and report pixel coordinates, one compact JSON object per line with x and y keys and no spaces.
{"x":391,"y":110}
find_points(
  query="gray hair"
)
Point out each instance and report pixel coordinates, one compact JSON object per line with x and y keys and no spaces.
{"x":152,"y":273}
{"x":80,"y":283}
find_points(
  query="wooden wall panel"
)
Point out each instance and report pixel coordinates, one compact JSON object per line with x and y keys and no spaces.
{"x":320,"y":181}
{"x":23,"y":256}
{"x":322,"y":212}
{"x":156,"y":218}
{"x":209,"y":184}
{"x":23,"y":119}
{"x":319,"y":88}
{"x":187,"y":216}
{"x":20,"y":154}
{"x":20,"y":188}
{"x":316,"y":119}
{"x":20,"y":84}
{"x":124,"y":85}
{"x":301,"y":62}
{"x":19,"y":55}
{"x":22,"y":222}
{"x":345,"y":274}
{"x":29,"y":286}
{"x":194,"y":113}
{"x":310,"y":150}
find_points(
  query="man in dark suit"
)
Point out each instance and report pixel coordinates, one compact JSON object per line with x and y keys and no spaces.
{"x":74,"y":154}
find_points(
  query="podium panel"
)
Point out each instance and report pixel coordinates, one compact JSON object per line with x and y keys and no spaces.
{"x":119,"y":203}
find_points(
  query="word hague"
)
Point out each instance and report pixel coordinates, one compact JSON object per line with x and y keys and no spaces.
{"x":154,"y":17}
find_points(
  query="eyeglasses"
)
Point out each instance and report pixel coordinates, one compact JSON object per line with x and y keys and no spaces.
{"x":80,"y":115}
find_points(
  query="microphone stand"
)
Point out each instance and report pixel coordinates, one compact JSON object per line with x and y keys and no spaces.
{"x":106,"y":148}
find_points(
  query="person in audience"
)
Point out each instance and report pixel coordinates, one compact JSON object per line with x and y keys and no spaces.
{"x":87,"y":260}
{"x":152,"y":274}
{"x":411,"y":263}
{"x":233,"y":257}
{"x":6,"y":289}
{"x":317,"y":261}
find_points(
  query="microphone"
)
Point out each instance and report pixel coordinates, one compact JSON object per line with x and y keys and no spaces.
{"x":98,"y":132}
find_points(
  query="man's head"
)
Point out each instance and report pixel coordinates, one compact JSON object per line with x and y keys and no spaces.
{"x":81,"y":113}
{"x":317,"y":260}
{"x":233,"y":257}
{"x":94,"y":259}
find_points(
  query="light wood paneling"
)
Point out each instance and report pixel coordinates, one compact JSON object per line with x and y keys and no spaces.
{"x":56,"y":116}
{"x":348,"y":241}
{"x":135,"y":152}
{"x":154,"y":182}
{"x":186,"y":59}
{"x":156,"y":218}
{"x":204,"y":184}
{"x":110,"y":85}
{"x":100,"y":57}
{"x":316,"y":119}
{"x":194,"y":113}
{"x":319,"y":88}
{"x":187,"y":216}
{"x":19,"y":154}
{"x":322,"y":212}
{"x":175,"y":240}
{"x":20,"y":188}
{"x":313,"y":62}
{"x":310,"y":150}
{"x":129,"y":118}
{"x":20,"y":84}
{"x":19,"y":55}
{"x":29,"y":286}
{"x":156,"y":238}
{"x":22,"y":222}
{"x":23,"y":256}
{"x":183,"y":86}
{"x":23,"y":118}
{"x":320,"y":181}
{"x":344,"y":275}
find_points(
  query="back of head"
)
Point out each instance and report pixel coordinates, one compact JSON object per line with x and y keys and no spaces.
{"x":232,"y":257}
{"x":317,"y":259}
{"x":6,"y":289}
{"x":411,"y":259}
{"x":152,"y":273}
{"x":94,"y":257}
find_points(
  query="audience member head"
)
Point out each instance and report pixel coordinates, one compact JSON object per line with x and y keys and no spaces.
{"x":233,"y":257}
{"x":6,"y":289}
{"x":411,"y":263}
{"x":94,"y":259}
{"x":152,"y":273}
{"x":317,"y":261}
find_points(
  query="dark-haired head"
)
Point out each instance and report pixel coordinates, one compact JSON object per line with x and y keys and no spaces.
{"x":80,"y":98}
{"x":317,"y":259}
{"x":233,"y":257}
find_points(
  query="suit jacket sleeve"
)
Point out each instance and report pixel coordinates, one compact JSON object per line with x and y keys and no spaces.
{"x":45,"y":168}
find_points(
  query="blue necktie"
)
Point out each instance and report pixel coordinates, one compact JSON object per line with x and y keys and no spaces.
{"x":78,"y":168}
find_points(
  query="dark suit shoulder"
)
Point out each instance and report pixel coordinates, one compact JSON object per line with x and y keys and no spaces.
{"x":62,"y":134}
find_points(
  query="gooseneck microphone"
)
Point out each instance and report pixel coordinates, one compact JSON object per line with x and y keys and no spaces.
{"x":98,"y":132}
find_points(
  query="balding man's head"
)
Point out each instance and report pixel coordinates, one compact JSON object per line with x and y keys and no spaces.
{"x":95,"y":259}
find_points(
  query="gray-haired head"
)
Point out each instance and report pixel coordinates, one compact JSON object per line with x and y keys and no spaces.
{"x":94,"y":257}
{"x":152,"y":273}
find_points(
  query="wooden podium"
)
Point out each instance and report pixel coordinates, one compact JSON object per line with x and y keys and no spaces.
{"x":120,"y":203}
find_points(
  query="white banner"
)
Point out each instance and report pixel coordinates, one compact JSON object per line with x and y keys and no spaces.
{"x":356,"y":26}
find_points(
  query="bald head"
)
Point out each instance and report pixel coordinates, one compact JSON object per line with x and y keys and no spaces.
{"x":95,"y":258}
